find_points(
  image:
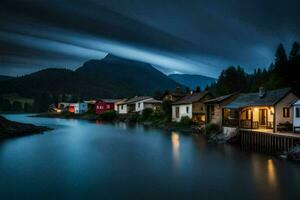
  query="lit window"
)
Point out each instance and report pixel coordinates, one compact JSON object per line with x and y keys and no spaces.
{"x":286,"y":112}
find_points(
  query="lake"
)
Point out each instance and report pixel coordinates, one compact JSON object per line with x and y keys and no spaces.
{"x":92,"y":160}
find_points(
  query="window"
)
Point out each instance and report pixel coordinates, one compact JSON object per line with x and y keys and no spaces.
{"x":298,"y":112}
{"x":187,"y":109}
{"x":122,"y":107}
{"x":177,"y":112}
{"x":107,"y":106}
{"x":286,"y":112}
{"x":139,"y":105}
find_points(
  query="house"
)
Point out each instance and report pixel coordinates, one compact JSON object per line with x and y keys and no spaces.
{"x":214,"y":107}
{"x":264,"y":110}
{"x":172,"y":95}
{"x":138,"y":104}
{"x":192,"y":106}
{"x":78,"y":108}
{"x":296,"y":116}
{"x":63,"y":106}
{"x":104,"y":105}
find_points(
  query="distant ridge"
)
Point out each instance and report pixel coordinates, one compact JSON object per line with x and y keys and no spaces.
{"x":4,"y":78}
{"x":192,"y":81}
{"x":110,"y":77}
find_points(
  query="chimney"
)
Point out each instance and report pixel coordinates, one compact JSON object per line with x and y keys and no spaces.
{"x":262,"y":92}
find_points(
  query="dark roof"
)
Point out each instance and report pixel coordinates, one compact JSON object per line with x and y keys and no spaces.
{"x":150,"y":101}
{"x":191,"y":98}
{"x":220,"y":99}
{"x":253,"y":99}
{"x":111,"y":100}
{"x":136,"y":99}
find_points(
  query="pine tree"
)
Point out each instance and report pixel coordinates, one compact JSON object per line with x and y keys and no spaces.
{"x":281,"y":65}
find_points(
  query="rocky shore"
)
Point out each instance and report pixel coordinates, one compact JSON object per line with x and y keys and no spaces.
{"x":13,"y":129}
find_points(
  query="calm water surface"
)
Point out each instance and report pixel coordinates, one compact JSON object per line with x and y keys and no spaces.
{"x":84,"y":160}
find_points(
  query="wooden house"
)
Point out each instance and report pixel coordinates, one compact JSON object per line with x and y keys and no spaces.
{"x":264,"y":110}
{"x":214,"y":107}
{"x":192,"y":106}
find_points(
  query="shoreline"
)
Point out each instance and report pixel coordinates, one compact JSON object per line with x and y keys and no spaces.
{"x":9,"y":129}
{"x":163,"y":125}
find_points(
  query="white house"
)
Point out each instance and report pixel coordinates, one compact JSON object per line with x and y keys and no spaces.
{"x":78,"y":108}
{"x":296,"y":117}
{"x":192,"y":106}
{"x":138,"y":104}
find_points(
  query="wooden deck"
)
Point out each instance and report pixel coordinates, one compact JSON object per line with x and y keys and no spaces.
{"x":265,"y":140}
{"x":270,"y":131}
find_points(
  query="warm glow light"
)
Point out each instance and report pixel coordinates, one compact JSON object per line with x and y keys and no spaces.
{"x":272,"y":179}
{"x":255,"y":109}
{"x":175,"y":147}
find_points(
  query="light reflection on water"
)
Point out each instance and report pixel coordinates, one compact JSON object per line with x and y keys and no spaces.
{"x":86,"y":160}
{"x":175,"y":147}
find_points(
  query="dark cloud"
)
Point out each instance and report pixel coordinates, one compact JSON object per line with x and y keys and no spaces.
{"x":192,"y":36}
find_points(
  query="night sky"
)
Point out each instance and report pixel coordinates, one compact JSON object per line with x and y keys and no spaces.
{"x":176,"y":36}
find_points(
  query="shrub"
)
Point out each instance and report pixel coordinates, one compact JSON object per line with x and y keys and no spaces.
{"x":146,"y":114}
{"x":211,"y":128}
{"x":167,"y":109}
{"x":186,"y":121}
{"x":134,"y":117}
{"x":109,"y":115}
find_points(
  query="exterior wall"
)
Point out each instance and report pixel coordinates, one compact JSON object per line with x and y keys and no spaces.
{"x":182,"y":112}
{"x":255,"y":111}
{"x":140,"y":105}
{"x":79,"y":107}
{"x":102,"y":106}
{"x":122,"y":109}
{"x":285,"y":102}
{"x":216,"y":118}
{"x":296,"y":120}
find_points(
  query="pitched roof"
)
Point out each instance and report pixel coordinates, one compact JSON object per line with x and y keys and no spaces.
{"x":253,"y":99}
{"x":136,"y":99}
{"x":191,"y":98}
{"x":220,"y":98}
{"x":150,"y":101}
{"x":111,"y":100}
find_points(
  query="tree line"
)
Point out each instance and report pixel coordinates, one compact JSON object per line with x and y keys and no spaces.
{"x":283,"y":72}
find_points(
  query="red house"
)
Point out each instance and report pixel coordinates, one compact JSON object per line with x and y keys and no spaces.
{"x":103,"y":106}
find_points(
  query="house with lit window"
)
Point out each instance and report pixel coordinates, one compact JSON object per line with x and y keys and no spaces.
{"x":265,"y":111}
{"x":138,"y":104}
{"x":214,"y":107}
{"x":192,"y":106}
{"x":296,"y":117}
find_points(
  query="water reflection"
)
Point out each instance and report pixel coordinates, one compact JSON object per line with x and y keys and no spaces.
{"x":266,"y":177}
{"x":272,"y":176}
{"x":175,"y":147}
